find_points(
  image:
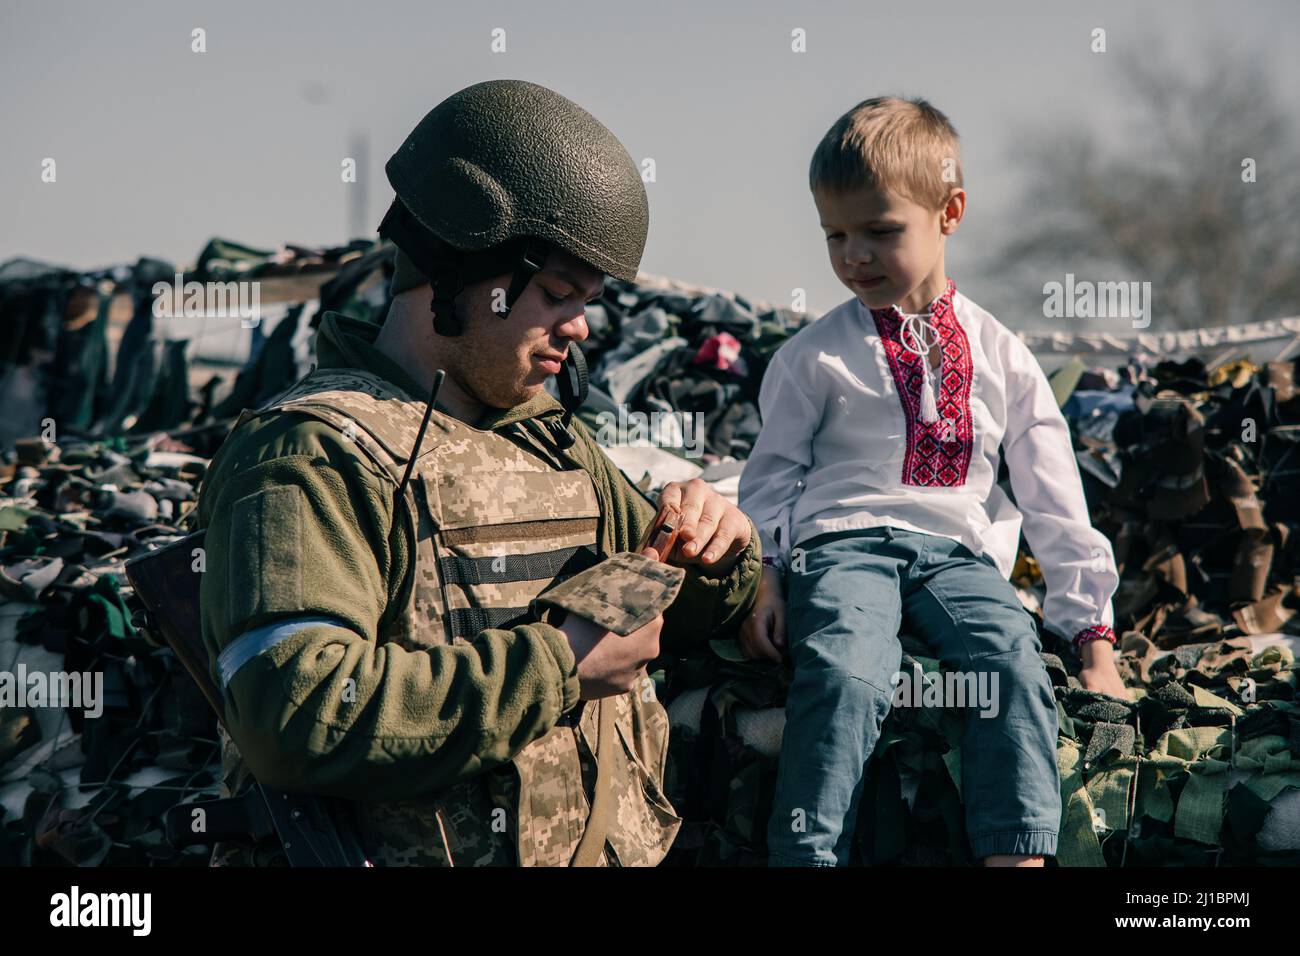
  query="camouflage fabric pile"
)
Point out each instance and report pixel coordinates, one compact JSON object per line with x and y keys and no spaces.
{"x":661,"y":346}
{"x":85,"y":350}
{"x":77,"y":790}
{"x":111,"y":451}
{"x":1187,"y":469}
{"x":1191,"y":474}
{"x":1179,"y":776}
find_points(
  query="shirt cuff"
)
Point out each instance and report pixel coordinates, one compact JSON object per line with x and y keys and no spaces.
{"x":1098,"y":632}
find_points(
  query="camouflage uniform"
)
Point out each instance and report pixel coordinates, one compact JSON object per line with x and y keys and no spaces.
{"x":463,"y":723}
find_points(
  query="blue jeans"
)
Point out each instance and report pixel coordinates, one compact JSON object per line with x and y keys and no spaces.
{"x":845,"y":609}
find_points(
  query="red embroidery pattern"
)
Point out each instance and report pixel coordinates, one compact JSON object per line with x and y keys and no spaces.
{"x":938,"y":453}
{"x":1099,"y":632}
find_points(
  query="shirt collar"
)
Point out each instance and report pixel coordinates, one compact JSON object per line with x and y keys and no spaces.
{"x":938,"y":308}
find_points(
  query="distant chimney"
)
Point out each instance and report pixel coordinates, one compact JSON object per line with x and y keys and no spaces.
{"x":359,"y":224}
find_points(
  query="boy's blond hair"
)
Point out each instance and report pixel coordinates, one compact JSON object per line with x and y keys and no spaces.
{"x":905,"y":146}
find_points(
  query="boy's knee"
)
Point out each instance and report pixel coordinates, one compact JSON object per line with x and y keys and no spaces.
{"x":1014,"y":674}
{"x":1018,"y":672}
{"x":859,"y":687}
{"x":1007,"y":648}
{"x":1022,"y":656}
{"x":859,"y":681}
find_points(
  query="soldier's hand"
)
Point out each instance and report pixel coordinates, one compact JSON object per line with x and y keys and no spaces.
{"x":714,"y":531}
{"x":762,"y":636}
{"x":610,"y":664}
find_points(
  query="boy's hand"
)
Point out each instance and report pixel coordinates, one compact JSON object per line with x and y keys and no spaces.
{"x":762,"y":636}
{"x":1099,"y":673}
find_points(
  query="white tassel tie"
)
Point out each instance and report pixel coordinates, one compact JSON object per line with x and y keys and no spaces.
{"x":924,"y":336}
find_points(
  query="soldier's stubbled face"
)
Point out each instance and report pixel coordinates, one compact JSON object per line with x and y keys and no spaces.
{"x":499,"y":361}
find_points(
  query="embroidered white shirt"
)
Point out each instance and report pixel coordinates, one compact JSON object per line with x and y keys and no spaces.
{"x":843,"y":447}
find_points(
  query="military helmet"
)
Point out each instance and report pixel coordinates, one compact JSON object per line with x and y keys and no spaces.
{"x":496,"y":175}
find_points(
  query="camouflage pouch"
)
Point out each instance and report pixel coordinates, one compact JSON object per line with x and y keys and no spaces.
{"x":621,"y":594}
{"x":644,"y":822}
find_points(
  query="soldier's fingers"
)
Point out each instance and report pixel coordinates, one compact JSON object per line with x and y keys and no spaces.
{"x":731,"y":538}
{"x":778,"y":628}
{"x":720,"y":545}
{"x":671,"y":494}
{"x":744,"y":526}
{"x":713,"y":512}
{"x":694,"y":495}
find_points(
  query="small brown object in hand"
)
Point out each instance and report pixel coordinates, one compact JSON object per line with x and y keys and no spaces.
{"x":662,"y":533}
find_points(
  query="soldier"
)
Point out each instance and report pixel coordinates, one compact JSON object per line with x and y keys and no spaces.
{"x":434,"y":611}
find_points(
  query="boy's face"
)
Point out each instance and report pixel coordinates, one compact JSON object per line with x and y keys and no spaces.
{"x":885,"y":248}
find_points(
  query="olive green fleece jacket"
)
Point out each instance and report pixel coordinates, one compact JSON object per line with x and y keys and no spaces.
{"x":330,"y":711}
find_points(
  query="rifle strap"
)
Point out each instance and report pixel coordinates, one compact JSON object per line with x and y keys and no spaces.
{"x":592,"y":843}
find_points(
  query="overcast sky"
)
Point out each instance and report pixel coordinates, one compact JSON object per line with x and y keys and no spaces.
{"x":159,"y":148}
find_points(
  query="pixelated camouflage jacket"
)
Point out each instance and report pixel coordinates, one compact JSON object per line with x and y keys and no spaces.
{"x":417,"y":681}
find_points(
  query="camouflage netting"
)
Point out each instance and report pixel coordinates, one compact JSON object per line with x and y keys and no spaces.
{"x":1180,"y":776}
{"x":1187,"y":470}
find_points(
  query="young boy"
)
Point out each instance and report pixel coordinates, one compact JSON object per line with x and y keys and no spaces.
{"x":877,"y":462}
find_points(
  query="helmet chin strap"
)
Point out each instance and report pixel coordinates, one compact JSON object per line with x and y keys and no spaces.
{"x":531,"y":260}
{"x":446,"y":284}
{"x":572,"y":385}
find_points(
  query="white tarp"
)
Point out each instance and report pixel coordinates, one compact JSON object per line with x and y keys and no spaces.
{"x":1268,"y":341}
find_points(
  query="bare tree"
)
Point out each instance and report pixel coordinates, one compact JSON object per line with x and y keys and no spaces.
{"x":1162,"y":194}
